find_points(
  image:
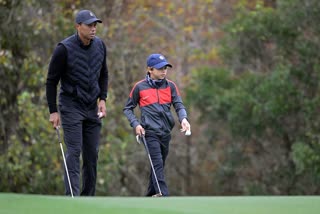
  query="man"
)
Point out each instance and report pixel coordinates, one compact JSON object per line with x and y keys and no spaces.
{"x":79,"y":63}
{"x":155,"y":94}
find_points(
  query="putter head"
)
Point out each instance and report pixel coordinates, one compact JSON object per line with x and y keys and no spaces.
{"x":158,"y":195}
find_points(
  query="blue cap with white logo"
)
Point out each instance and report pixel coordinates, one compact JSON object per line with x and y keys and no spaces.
{"x":157,"y":61}
{"x":86,"y":17}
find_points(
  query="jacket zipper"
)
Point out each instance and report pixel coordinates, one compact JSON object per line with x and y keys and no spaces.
{"x":162,"y":124}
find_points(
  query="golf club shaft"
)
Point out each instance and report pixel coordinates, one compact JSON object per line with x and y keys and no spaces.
{"x":152,"y":167}
{"x":65,"y":163}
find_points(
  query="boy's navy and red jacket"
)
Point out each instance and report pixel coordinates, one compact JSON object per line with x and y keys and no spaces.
{"x":155,"y":102}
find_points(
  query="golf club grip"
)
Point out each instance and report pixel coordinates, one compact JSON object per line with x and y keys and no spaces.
{"x":58,"y":134}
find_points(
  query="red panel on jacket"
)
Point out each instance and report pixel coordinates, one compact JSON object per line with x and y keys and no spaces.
{"x":165,"y":95}
{"x":151,"y":96}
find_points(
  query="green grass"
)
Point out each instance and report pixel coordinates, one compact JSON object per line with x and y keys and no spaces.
{"x":41,"y":204}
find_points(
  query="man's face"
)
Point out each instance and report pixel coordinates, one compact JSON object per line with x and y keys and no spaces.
{"x":87,"y":32}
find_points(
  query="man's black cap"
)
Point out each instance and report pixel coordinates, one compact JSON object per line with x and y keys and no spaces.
{"x":86,"y":17}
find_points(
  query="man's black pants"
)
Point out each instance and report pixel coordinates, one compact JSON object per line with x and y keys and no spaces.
{"x":81,"y":127}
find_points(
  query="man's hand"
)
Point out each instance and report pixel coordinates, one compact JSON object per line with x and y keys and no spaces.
{"x":55,"y":120}
{"x":102,"y":110}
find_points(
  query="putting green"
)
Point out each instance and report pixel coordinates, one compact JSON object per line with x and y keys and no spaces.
{"x":40,"y":204}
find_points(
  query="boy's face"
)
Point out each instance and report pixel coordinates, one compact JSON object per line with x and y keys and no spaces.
{"x":158,"y":74}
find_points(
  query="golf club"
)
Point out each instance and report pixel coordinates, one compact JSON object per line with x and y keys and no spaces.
{"x":148,"y":153}
{"x":64,"y":161}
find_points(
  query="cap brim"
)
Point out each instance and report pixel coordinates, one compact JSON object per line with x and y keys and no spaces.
{"x":161,"y":65}
{"x":90,"y":21}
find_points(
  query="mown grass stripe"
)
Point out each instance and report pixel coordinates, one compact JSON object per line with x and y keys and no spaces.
{"x":39,"y":204}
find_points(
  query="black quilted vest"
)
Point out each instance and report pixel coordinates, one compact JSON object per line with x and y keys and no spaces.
{"x":84,"y":65}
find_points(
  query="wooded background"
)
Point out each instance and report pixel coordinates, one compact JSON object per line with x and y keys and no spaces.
{"x":249,"y":76}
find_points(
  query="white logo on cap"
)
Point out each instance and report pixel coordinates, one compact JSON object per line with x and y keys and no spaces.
{"x":91,"y":14}
{"x":161,"y":57}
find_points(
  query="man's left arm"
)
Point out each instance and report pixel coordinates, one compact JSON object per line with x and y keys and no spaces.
{"x":104,"y":76}
{"x":103,"y":84}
